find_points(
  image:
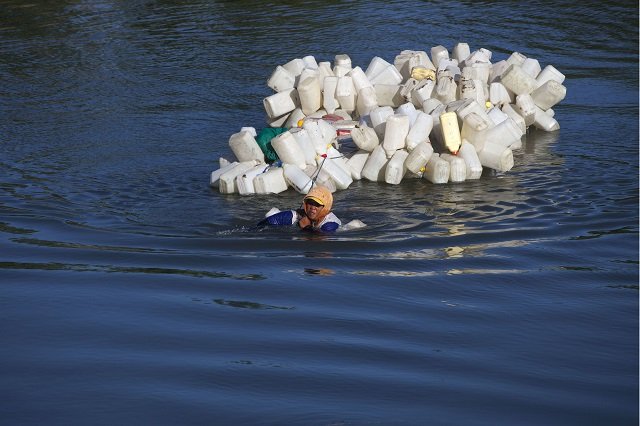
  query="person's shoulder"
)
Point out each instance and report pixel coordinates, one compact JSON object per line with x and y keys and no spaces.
{"x":331,"y":217}
{"x":287,"y":217}
{"x":330,"y":223}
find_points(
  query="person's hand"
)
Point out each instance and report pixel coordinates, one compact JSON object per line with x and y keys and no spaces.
{"x":304,"y":222}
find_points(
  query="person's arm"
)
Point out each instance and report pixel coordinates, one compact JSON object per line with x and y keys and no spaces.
{"x":287,"y":217}
{"x":329,"y":227}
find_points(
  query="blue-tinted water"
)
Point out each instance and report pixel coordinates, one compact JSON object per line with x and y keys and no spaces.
{"x":132,"y":293}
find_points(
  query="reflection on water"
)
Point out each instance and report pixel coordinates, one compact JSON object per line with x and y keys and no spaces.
{"x":247,"y":305}
{"x":325,"y":272}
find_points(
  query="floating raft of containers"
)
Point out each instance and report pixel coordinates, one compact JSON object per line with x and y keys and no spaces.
{"x":443,"y":118}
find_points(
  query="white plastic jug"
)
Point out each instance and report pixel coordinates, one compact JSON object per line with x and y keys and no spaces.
{"x":498,"y":94}
{"x":222,"y":162}
{"x":430,"y":105}
{"x":281,"y":79}
{"x":481,"y":55}
{"x":244,"y":181}
{"x":496,"y":156}
{"x":316,"y":136}
{"x":516,"y":58}
{"x":389,"y":75}
{"x":468,"y":153}
{"x":373,"y":169}
{"x":389,"y":95}
{"x":278,"y":121}
{"x":346,"y":94}
{"x":214,"y":179}
{"x":471,"y":105}
{"x":359,"y":78}
{"x":311,"y":170}
{"x":365,"y":138}
{"x":516,"y":80}
{"x":227,"y":184}
{"x":478,"y":71}
{"x":396,"y":130}
{"x":270,"y":182}
{"x":294,"y":118}
{"x":511,"y":112}
{"x":496,"y":115}
{"x":450,"y":66}
{"x":310,"y":62}
{"x":548,"y":94}
{"x":288,"y":149}
{"x":328,"y":132}
{"x":436,"y":133}
{"x":445,"y":90}
{"x":422,"y":92}
{"x":409,"y":59}
{"x":526,"y":108}
{"x":366,"y":101}
{"x":468,"y":89}
{"x":324,"y":70}
{"x":496,"y":70}
{"x":457,"y":168}
{"x":378,"y":117}
{"x":245,"y":147}
{"x":419,"y":157}
{"x":439,"y":53}
{"x":306,"y":73}
{"x":461,"y":51}
{"x":250,"y":129}
{"x":304,"y":141}
{"x":338,"y":158}
{"x":340,"y":71}
{"x":506,"y":133}
{"x":544,"y":121}
{"x":329,"y":101}
{"x":407,"y":87}
{"x":437,"y":170}
{"x":396,"y":169}
{"x":324,"y":179}
{"x":342,"y":60}
{"x":376,"y":66}
{"x":419,"y":131}
{"x":531,"y":66}
{"x":297,"y":178}
{"x":356,"y":163}
{"x":310,"y":95}
{"x":409,"y":110}
{"x":341,"y":178}
{"x":281,"y":103}
{"x":549,"y":73}
{"x":474,"y":130}
{"x":294,"y":66}
{"x":450,"y":131}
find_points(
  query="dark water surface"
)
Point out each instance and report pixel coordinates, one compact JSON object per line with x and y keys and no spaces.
{"x":131,"y":293}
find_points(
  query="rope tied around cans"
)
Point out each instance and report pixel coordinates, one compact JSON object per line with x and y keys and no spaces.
{"x":324,"y":158}
{"x":278,"y":163}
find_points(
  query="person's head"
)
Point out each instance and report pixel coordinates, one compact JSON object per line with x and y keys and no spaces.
{"x":317,"y":203}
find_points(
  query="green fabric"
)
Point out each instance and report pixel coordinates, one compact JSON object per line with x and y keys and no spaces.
{"x":264,"y":141}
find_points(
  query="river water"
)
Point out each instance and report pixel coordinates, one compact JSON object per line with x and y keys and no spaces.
{"x":133,"y":293}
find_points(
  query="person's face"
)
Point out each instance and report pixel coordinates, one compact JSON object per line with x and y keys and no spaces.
{"x":313,"y":209}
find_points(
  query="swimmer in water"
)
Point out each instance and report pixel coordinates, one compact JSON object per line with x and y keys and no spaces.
{"x":315,"y":214}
